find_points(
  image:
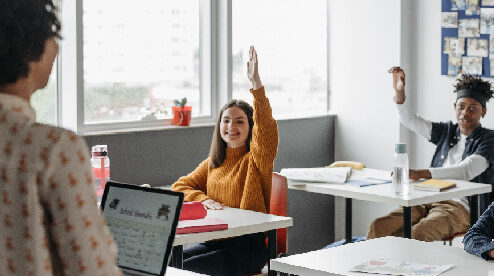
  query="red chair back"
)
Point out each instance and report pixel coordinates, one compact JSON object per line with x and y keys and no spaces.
{"x":279,"y":207}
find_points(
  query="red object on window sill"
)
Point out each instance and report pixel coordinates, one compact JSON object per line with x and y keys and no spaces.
{"x":182,"y":115}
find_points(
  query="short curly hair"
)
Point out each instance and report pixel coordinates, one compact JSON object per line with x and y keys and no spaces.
{"x":475,"y":83}
{"x":25,"y":26}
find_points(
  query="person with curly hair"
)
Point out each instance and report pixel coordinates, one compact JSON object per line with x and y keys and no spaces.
{"x":49,"y":220}
{"x":464,"y":150}
{"x":479,"y":240}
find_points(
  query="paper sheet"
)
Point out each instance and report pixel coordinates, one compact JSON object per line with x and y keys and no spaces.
{"x":396,"y":267}
{"x":320,"y":175}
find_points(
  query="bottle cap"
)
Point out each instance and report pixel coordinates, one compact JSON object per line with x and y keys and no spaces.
{"x":401,"y":148}
{"x":99,"y":150}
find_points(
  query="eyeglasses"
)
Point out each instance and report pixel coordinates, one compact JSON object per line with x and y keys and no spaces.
{"x":468,"y":108}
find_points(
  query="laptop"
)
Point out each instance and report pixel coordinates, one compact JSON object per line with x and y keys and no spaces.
{"x":142,"y":222}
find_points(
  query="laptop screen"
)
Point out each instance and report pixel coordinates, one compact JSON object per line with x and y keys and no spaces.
{"x":142,"y":222}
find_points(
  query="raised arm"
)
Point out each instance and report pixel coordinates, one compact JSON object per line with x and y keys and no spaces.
{"x":408,"y":118}
{"x":194,"y":184}
{"x":84,"y":243}
{"x":264,"y":143}
{"x":478,"y":240}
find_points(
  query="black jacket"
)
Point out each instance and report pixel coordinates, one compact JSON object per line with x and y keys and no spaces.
{"x":480,"y":141}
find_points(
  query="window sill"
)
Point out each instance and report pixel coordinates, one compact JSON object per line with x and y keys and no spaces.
{"x":192,"y":125}
{"x":144,"y":129}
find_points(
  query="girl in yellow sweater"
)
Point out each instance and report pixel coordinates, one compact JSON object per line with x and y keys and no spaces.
{"x":236,"y":174}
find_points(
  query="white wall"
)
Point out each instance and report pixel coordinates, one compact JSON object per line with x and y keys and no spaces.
{"x":365,"y":42}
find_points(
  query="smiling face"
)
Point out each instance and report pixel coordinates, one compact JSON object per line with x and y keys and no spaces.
{"x":234,"y":127}
{"x":468,"y":114}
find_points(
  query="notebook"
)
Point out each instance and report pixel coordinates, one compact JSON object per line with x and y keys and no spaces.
{"x":142,"y":222}
{"x":434,"y":185}
{"x":369,"y":181}
{"x":201,"y":225}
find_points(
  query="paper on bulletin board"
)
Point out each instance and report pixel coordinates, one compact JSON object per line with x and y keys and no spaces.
{"x":396,"y":267}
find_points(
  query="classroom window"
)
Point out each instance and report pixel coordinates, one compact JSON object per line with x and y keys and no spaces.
{"x":291,"y":39}
{"x":138,"y":58}
{"x":126,"y":63}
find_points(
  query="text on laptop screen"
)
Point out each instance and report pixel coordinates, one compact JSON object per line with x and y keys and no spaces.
{"x":141,"y":223}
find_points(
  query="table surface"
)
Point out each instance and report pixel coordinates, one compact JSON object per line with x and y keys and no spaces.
{"x":171,"y":271}
{"x":384,"y":192}
{"x":340,"y":260}
{"x":240,"y":222}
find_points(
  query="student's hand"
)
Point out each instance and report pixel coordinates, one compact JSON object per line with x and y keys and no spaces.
{"x":252,"y":69}
{"x":211,"y":204}
{"x":490,"y":253}
{"x":416,"y":175}
{"x":398,"y":83}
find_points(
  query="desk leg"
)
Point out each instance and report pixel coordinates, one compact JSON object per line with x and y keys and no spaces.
{"x":407,"y":222}
{"x":348,"y":220}
{"x":474,"y":209}
{"x":177,"y":256}
{"x":271,"y":250}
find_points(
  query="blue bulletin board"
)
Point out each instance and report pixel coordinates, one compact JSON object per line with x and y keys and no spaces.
{"x":467,"y":37}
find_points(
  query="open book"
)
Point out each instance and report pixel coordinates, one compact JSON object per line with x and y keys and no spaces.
{"x":321,"y":175}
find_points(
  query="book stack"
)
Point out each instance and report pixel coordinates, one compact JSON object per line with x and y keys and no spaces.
{"x":193,"y":219}
{"x":434,"y":185}
{"x":201,"y":225}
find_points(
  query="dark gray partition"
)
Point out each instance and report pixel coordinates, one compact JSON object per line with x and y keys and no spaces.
{"x":161,"y":157}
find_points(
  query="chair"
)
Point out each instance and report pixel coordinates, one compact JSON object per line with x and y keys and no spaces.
{"x":279,"y":207}
{"x":452,"y":237}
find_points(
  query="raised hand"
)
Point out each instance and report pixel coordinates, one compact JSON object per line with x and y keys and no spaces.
{"x":252,"y":69}
{"x":398,"y":78}
{"x":398,"y":83}
{"x":211,"y":204}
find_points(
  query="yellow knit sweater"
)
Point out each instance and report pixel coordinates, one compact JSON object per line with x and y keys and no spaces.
{"x":244,"y":179}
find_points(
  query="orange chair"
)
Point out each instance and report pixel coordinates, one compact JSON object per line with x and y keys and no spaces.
{"x":450,"y":239}
{"x":279,"y":207}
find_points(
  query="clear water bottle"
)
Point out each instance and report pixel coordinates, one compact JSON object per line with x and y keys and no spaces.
{"x":100,"y":164}
{"x":401,"y":182}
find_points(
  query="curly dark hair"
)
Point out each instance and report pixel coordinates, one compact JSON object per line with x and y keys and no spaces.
{"x":475,"y":83}
{"x":25,"y":26}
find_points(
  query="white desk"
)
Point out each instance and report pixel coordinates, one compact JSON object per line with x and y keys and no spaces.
{"x":339,"y":260}
{"x":384,"y":193}
{"x":171,"y":271}
{"x":240,"y":222}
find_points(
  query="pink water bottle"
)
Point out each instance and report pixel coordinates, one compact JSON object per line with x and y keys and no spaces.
{"x":100,"y":164}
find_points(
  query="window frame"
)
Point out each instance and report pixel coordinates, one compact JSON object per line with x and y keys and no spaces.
{"x":215,"y":70}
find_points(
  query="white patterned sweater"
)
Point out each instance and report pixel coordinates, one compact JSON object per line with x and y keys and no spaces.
{"x":49,"y":220}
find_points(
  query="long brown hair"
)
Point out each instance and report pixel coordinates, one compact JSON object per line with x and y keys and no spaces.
{"x":217,"y":153}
